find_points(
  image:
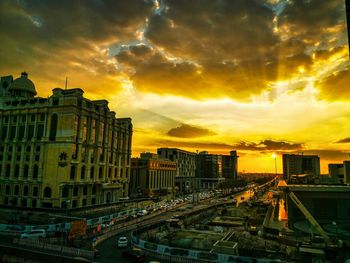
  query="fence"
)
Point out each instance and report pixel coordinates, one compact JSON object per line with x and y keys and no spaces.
{"x":56,"y":249}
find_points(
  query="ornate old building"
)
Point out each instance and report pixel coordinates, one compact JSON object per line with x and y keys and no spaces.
{"x":63,"y":151}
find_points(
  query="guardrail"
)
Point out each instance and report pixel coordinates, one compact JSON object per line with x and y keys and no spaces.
{"x":59,"y":250}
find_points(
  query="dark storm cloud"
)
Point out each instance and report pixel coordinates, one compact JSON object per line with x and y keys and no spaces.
{"x":230,"y":48}
{"x":198,"y":49}
{"x":268,"y":145}
{"x":345,"y":140}
{"x":310,"y":20}
{"x":213,"y":29}
{"x":52,"y":38}
{"x":188,"y":131}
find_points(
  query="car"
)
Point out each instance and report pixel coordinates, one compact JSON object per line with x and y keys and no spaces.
{"x":122,"y":242}
{"x":135,"y":255}
{"x":34,"y":234}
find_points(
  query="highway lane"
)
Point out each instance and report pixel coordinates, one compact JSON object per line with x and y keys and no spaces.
{"x":110,"y":253}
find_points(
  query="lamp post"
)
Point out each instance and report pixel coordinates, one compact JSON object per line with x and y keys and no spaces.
{"x":274,"y":156}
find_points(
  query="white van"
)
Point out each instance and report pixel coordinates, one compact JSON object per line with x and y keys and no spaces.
{"x":34,"y":234}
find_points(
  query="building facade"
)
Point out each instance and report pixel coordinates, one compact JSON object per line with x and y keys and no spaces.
{"x":340,"y":172}
{"x":64,"y":151}
{"x":152,"y":176}
{"x":230,"y":166}
{"x":209,"y":170}
{"x":294,"y":164}
{"x":185,"y":167}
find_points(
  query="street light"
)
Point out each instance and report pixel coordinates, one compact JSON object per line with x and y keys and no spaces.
{"x":274,"y":156}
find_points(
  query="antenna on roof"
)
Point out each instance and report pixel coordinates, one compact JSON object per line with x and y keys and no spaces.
{"x":66,"y":84}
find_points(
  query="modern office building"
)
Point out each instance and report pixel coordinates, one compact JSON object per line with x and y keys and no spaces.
{"x":152,"y":176}
{"x":209,"y":170}
{"x":185,"y":167}
{"x":229,"y":166}
{"x":295,"y":164}
{"x":340,"y":172}
{"x":63,"y":151}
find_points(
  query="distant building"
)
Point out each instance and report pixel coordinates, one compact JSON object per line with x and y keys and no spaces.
{"x":185,"y":167}
{"x":229,"y":165}
{"x":209,"y":170}
{"x":64,"y":151}
{"x":340,"y":172}
{"x":152,"y":176}
{"x":294,"y":164}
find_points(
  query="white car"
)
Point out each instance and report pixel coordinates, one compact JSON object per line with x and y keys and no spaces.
{"x":34,"y":234}
{"x":122,"y":242}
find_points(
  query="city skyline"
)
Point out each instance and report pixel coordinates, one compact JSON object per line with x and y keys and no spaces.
{"x":187,"y":75}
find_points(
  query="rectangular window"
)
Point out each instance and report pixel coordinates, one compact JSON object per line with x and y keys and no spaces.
{"x":32,"y":117}
{"x":40,"y":131}
{"x":12,"y":132}
{"x":42,"y":116}
{"x":4,"y":133}
{"x":21,"y":132}
{"x":23,"y":118}
{"x":30,"y":132}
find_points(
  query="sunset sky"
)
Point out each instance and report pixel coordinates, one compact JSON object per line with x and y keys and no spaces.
{"x":257,"y":76}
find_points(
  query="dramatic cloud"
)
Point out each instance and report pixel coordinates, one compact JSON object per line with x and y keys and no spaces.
{"x":345,"y":140}
{"x":200,"y":146}
{"x":333,"y":155}
{"x":54,"y":39}
{"x":336,"y":86}
{"x":268,"y":145}
{"x":187,"y":131}
{"x":244,"y":70}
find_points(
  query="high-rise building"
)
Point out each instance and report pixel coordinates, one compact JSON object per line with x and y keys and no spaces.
{"x":209,"y":170}
{"x":152,"y":175}
{"x":295,"y":164}
{"x":340,"y":172}
{"x":185,"y":167}
{"x":229,"y":165}
{"x":63,"y":151}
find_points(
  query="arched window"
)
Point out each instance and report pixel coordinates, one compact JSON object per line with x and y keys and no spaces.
{"x":72,"y":172}
{"x":53,"y":127}
{"x":82,"y":173}
{"x":26,"y":171}
{"x":47,"y":192}
{"x":65,"y":191}
{"x":35,"y":171}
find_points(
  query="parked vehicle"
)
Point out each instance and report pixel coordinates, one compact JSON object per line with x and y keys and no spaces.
{"x":122,"y":242}
{"x":135,"y":255}
{"x":34,"y":234}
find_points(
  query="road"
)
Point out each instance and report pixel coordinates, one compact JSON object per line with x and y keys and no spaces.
{"x":109,"y":251}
